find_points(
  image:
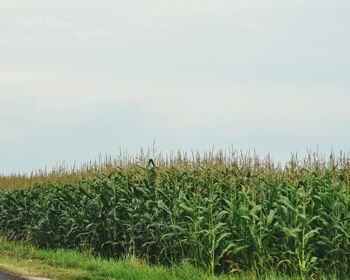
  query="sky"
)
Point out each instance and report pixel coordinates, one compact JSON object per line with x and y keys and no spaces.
{"x":83,"y":77}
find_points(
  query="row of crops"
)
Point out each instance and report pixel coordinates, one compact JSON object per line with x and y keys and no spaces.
{"x":223,"y":217}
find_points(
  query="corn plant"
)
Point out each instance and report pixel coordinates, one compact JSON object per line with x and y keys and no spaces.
{"x":223,"y":214}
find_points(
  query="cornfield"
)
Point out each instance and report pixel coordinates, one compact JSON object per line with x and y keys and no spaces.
{"x":222,"y":213}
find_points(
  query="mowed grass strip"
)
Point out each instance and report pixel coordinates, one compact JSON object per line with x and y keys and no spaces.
{"x":23,"y":259}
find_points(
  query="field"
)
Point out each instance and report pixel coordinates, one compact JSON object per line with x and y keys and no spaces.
{"x":224,"y":214}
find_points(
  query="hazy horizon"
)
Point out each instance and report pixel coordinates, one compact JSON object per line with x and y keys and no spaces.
{"x":87,"y":77}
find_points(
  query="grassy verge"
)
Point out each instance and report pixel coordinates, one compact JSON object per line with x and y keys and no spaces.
{"x":23,"y":259}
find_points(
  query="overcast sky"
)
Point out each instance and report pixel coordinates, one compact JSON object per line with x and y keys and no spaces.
{"x":83,"y":77}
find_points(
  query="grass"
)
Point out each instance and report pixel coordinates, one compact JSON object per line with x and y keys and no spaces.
{"x":23,"y":259}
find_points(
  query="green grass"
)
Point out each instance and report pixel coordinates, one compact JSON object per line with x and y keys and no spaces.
{"x":23,"y":259}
